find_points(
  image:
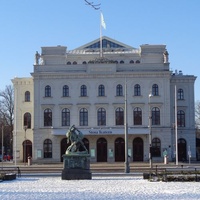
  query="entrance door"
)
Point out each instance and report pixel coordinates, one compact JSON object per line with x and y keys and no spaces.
{"x":138,"y":147}
{"x":101,"y":150}
{"x":182,"y":154}
{"x":119,"y":150}
{"x":27,"y":150}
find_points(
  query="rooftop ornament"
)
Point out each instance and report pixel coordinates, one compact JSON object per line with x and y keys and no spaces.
{"x":101,"y":60}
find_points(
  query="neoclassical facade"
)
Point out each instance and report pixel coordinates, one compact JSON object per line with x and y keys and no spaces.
{"x":78,"y":87}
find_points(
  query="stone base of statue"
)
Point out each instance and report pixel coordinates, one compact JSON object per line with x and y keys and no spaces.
{"x":76,"y":166}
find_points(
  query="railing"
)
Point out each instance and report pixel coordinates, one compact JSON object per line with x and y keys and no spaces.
{"x":11,"y":170}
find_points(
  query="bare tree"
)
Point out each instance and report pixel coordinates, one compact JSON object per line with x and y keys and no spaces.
{"x":7,"y":116}
{"x":95,"y":6}
{"x":197,"y":114}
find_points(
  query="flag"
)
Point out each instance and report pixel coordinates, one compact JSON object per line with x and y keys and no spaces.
{"x":103,"y":24}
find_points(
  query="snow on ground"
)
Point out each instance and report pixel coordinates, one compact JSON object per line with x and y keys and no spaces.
{"x":99,"y":188}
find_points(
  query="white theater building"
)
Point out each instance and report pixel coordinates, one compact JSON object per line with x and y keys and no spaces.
{"x":81,"y":87}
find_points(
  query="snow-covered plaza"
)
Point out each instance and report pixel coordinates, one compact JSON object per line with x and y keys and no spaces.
{"x":122,"y":187}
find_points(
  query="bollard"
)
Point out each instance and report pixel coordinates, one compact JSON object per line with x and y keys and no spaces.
{"x":29,"y":161}
{"x":165,"y":160}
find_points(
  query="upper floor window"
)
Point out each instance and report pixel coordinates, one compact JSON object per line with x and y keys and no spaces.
{"x":119,"y":90}
{"x":137,"y":61}
{"x":68,"y":63}
{"x":47,"y":148}
{"x":101,"y":117}
{"x":137,"y":91}
{"x":47,"y":91}
{"x":101,"y":90}
{"x":47,"y":117}
{"x":83,"y":91}
{"x":74,"y":63}
{"x":181,"y":118}
{"x":65,"y":91}
{"x":84,"y":62}
{"x":155,"y":116}
{"x":27,"y":96}
{"x":155,"y":91}
{"x":119,"y":116}
{"x":137,"y":116}
{"x":131,"y":61}
{"x":65,"y":117}
{"x":121,"y":62}
{"x":27,"y":120}
{"x":83,"y":117}
{"x":180,"y":95}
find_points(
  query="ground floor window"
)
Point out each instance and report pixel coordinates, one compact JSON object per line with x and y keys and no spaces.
{"x":47,"y":148}
{"x":156,"y":145}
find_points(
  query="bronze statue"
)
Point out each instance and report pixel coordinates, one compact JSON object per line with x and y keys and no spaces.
{"x":75,"y":137}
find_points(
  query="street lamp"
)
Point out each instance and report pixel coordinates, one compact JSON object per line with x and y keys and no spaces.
{"x":2,"y":150}
{"x":25,"y":128}
{"x":150,"y":132}
{"x":127,"y":167}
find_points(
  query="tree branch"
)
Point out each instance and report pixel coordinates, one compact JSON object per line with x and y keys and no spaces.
{"x":95,"y":6}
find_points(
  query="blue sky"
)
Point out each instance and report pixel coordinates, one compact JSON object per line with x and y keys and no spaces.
{"x":27,"y":25}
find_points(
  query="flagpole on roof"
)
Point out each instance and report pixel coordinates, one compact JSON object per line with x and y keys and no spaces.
{"x":102,"y":24}
{"x":101,"y":49}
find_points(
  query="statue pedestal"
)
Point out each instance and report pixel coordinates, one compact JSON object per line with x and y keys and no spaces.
{"x":76,"y":167}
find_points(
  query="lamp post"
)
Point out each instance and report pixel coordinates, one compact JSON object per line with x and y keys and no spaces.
{"x":176,"y":130}
{"x":127,"y":168}
{"x":25,"y":128}
{"x":2,"y":150}
{"x":150,"y":132}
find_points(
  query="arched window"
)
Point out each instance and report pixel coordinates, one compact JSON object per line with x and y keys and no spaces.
{"x":101,"y":90}
{"x":137,"y":91}
{"x":84,"y":62}
{"x":116,"y":61}
{"x":83,"y":117}
{"x":47,"y":148}
{"x":119,"y":90}
{"x":155,"y":149}
{"x":65,"y":91}
{"x":74,"y":63}
{"x":137,"y":61}
{"x":155,"y":114}
{"x":181,"y":118}
{"x":47,"y":117}
{"x":137,"y":116}
{"x":131,"y":61}
{"x":155,"y":91}
{"x":101,"y":117}
{"x":27,"y":96}
{"x":83,"y":91}
{"x":180,"y":95}
{"x":47,"y":91}
{"x":27,"y":120}
{"x":121,"y":62}
{"x":68,"y":63}
{"x":65,"y":117}
{"x":119,"y":116}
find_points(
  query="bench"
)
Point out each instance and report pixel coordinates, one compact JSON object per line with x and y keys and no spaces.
{"x":11,"y":170}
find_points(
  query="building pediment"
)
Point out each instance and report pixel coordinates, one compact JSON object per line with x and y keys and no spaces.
{"x":107,"y":43}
